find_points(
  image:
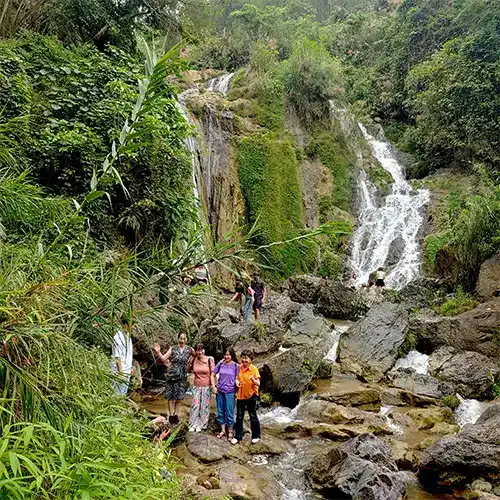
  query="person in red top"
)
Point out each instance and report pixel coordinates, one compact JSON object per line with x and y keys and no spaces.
{"x":248,"y":383}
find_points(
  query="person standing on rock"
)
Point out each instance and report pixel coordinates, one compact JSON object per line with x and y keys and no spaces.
{"x":260,"y":293}
{"x":239,"y":293}
{"x":176,"y":378}
{"x":202,"y":367}
{"x":380,"y":282}
{"x":249,"y":295}
{"x":248,"y":382}
{"x":122,"y":360}
{"x":228,"y":371}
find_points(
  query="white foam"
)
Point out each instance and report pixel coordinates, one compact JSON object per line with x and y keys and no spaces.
{"x":279,"y":415}
{"x":220,"y":84}
{"x":468,"y":411}
{"x":416,"y":360}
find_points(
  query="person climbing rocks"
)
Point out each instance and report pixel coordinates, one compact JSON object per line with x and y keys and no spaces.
{"x":201,"y":274}
{"x":380,"y":278}
{"x":239,"y":293}
{"x":249,"y":295}
{"x":121,"y":364}
{"x":202,"y":367}
{"x":248,"y":382}
{"x":227,"y":371}
{"x":260,"y":293}
{"x":177,"y":358}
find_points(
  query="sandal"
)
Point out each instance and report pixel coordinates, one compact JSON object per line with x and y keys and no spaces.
{"x":230,"y":435}
{"x":221,"y":435}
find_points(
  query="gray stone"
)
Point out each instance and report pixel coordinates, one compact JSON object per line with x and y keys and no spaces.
{"x":475,"y":330}
{"x":207,"y":448}
{"x":454,"y":461}
{"x":488,"y":282}
{"x":469,"y":373}
{"x":362,"y":468}
{"x":370,"y":348}
{"x":417,"y":383}
{"x":365,"y":398}
{"x":332,"y":299}
{"x":307,"y":340}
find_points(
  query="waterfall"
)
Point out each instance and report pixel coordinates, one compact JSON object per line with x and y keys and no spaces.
{"x":193,"y":147}
{"x":220,"y":84}
{"x":469,"y":411}
{"x":388,"y":225}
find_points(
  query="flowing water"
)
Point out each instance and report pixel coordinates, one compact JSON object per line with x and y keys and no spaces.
{"x":469,"y":411}
{"x":220,"y":84}
{"x":340,"y":328}
{"x":415,"y":360}
{"x":391,"y":225}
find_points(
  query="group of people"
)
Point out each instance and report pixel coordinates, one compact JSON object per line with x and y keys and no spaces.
{"x":227,"y":380}
{"x":376,"y":281}
{"x":250,"y":296}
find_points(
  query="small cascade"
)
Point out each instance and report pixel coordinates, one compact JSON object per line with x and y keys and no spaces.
{"x":280,"y":415}
{"x":220,"y":84}
{"x":331,"y":355}
{"x":469,"y":411}
{"x":390,"y":226}
{"x":193,"y":147}
{"x":393,"y":427}
{"x":415,"y":360}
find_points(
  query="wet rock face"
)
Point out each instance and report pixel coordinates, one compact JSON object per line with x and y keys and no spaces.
{"x":363,"y":468}
{"x":488,"y":282}
{"x":307,"y":340}
{"x":469,"y":373}
{"x":207,"y":448}
{"x":475,"y":330}
{"x":370,"y":348}
{"x":419,"y":293}
{"x":417,"y":383}
{"x":332,"y":299}
{"x":473,"y":453}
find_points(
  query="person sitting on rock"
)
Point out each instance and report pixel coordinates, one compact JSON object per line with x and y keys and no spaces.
{"x":248,"y":382}
{"x":225,"y":388}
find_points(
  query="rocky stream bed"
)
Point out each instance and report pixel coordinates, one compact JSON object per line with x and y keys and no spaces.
{"x":360,"y":407}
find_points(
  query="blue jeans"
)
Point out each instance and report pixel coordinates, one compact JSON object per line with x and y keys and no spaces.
{"x":225,"y":409}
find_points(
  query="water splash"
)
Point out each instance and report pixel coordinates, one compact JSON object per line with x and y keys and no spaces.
{"x":469,"y":411}
{"x":415,"y":360}
{"x":398,"y":219}
{"x":331,"y":355}
{"x":393,"y":427}
{"x":220,"y":84}
{"x":279,"y":415}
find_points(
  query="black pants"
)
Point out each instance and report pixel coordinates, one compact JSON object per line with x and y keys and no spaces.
{"x":249,"y":405}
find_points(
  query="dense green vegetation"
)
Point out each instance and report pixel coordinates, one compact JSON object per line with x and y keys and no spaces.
{"x":96,"y":194}
{"x":269,"y":179}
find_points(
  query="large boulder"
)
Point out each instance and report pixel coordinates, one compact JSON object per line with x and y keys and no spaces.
{"x":417,"y":383}
{"x":488,"y":282}
{"x":419,"y":293}
{"x":333,"y":299}
{"x":454,"y":461}
{"x":364,"y":398}
{"x":207,"y":448}
{"x":475,"y":330}
{"x":362,"y":469}
{"x":370,"y":348}
{"x":227,"y":330}
{"x":307,"y":340}
{"x":469,"y":373}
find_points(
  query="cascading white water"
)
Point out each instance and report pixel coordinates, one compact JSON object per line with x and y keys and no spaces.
{"x":220,"y":84}
{"x":331,"y":355}
{"x":416,"y":360}
{"x":397,"y":219}
{"x":469,"y":411}
{"x":193,"y":147}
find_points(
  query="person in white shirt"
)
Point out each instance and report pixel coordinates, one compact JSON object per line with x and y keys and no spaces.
{"x":121,"y":364}
{"x":380,"y":281}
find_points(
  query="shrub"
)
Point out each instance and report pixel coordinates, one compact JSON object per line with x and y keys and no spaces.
{"x":458,"y":304}
{"x":312,"y":77}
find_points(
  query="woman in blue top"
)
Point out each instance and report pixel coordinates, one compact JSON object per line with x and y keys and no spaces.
{"x":225,"y":388}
